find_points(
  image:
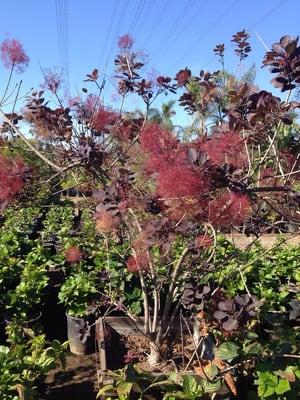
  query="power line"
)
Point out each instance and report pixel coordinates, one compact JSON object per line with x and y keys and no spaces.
{"x":114,"y":35}
{"x":188,"y":23}
{"x":136,"y":16}
{"x":118,"y":26}
{"x":158,"y":19}
{"x":109,"y":31}
{"x":266,"y":15}
{"x":251,"y":27}
{"x":59,"y":30}
{"x":150,"y":7}
{"x":66,"y":38}
{"x":61,"y":12}
{"x":211,"y":27}
{"x":186,"y":9}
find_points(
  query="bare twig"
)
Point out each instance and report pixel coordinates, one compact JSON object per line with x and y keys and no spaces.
{"x":27,"y":142}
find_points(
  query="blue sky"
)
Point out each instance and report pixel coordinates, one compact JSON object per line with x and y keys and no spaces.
{"x":174,"y":34}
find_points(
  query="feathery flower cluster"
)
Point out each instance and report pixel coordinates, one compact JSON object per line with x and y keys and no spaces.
{"x":163,"y":149}
{"x":105,"y":222}
{"x":229,"y":209}
{"x":103,"y":119}
{"x":53,"y":79}
{"x":139,"y":262}
{"x":12,"y":178}
{"x":125,"y":42}
{"x":226,"y":148}
{"x":203,"y":241}
{"x":73,"y":255}
{"x":179,"y":181}
{"x":13,"y":55}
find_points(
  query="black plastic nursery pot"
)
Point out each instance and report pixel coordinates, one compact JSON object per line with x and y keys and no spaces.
{"x":80,"y":334}
{"x":32,"y":320}
{"x":2,"y":330}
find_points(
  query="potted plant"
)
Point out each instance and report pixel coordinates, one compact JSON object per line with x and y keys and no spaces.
{"x":78,"y":294}
{"x":24,"y":366}
{"x":23,"y":302}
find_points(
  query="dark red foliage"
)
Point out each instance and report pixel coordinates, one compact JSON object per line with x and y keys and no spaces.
{"x":73,"y":255}
{"x":12,"y":178}
{"x":226,"y":148}
{"x":284,"y":60}
{"x":219,"y":50}
{"x":243,"y":46}
{"x":13,"y":55}
{"x":183,"y":76}
{"x":229,"y":209}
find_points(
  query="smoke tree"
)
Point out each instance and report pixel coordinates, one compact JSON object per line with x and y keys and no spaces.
{"x":167,"y":197}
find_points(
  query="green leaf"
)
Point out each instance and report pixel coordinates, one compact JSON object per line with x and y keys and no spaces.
{"x":211,"y":387}
{"x":283,"y":386}
{"x":4,"y":350}
{"x":227,"y":351}
{"x":191,"y":387}
{"x":211,"y":371}
{"x":269,"y":391}
{"x":124,"y":388}
{"x":105,"y":389}
{"x":174,"y":396}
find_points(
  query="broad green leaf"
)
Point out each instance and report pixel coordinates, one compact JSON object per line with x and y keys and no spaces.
{"x":211,"y":387}
{"x":211,"y":371}
{"x":124,"y":388}
{"x":227,"y":351}
{"x":269,"y":391}
{"x":4,"y":349}
{"x":191,"y":386}
{"x":283,"y":386}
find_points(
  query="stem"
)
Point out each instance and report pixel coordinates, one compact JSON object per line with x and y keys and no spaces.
{"x":7,"y":85}
{"x":170,"y":295}
{"x":18,"y":132}
{"x":156,"y":293}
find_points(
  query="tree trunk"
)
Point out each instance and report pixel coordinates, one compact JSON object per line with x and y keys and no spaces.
{"x":154,"y":356}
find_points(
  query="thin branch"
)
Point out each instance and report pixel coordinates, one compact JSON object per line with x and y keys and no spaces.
{"x":27,"y":142}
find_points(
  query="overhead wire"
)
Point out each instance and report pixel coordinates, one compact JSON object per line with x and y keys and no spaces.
{"x":117,"y":29}
{"x":115,"y":33}
{"x":187,"y":25}
{"x":136,"y":16}
{"x":211,"y":27}
{"x":252,"y":26}
{"x":59,"y":30}
{"x":66,"y":39}
{"x":157,"y":21}
{"x":266,"y":15}
{"x":181,"y":16}
{"x":151,"y":5}
{"x":61,"y":13}
{"x":109,"y":31}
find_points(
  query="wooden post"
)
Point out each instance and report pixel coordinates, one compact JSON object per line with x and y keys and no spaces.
{"x":100,"y":338}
